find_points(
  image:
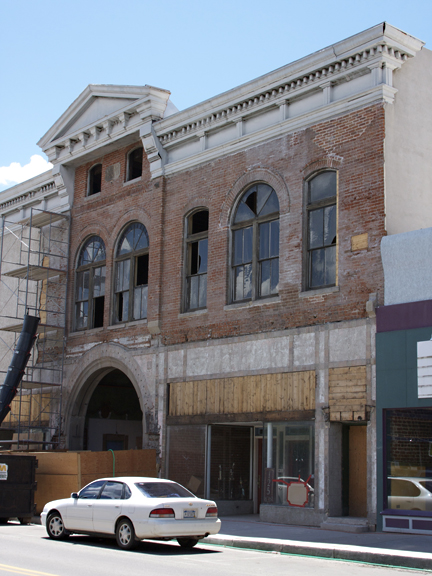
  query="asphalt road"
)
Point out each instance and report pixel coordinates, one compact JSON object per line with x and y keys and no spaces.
{"x":28,"y":551}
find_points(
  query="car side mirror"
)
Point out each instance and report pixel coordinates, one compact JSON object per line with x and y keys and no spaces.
{"x":74,"y":495}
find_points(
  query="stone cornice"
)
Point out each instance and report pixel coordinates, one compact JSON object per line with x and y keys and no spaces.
{"x":40,"y":192}
{"x":293,"y":86}
{"x":355,"y":72}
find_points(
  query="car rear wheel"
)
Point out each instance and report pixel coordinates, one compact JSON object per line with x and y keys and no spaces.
{"x":187,"y":542}
{"x":55,"y":527}
{"x":125,"y":534}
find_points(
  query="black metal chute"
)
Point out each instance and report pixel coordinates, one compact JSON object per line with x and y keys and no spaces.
{"x":17,"y":366}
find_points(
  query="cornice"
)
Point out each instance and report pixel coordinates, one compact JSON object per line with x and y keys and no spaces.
{"x":316,"y":83}
{"x":40,"y":192}
{"x":291,"y":87}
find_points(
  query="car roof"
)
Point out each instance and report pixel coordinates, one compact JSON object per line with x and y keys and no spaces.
{"x":133,"y":479}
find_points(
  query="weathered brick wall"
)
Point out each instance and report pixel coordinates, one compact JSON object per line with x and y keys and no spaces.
{"x":353,"y":144}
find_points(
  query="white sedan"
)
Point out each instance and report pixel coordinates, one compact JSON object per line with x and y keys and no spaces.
{"x":131,"y":509}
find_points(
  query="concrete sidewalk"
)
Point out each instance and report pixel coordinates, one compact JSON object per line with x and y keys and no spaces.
{"x":392,"y":549}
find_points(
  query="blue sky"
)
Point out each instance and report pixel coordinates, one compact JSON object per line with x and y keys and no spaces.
{"x":50,"y":50}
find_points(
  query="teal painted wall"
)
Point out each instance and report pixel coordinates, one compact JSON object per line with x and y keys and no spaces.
{"x":396,"y":386}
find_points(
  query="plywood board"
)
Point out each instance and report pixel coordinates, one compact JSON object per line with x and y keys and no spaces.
{"x":244,"y":394}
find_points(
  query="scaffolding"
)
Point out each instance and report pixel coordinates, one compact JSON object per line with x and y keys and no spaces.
{"x":33,"y":279}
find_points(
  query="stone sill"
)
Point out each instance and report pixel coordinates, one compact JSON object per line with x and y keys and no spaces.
{"x":86,"y":331}
{"x":134,"y":181}
{"x":253,"y":303}
{"x":192,"y":313}
{"x":142,"y":322}
{"x":319,"y":292}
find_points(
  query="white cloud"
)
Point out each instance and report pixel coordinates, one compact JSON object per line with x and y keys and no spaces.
{"x":15,"y":173}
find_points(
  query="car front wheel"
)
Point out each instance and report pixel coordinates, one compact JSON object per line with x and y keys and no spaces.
{"x":55,"y":527}
{"x":187,"y":542}
{"x":125,"y":534}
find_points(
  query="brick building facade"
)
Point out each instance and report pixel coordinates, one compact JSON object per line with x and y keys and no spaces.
{"x":224,"y":270}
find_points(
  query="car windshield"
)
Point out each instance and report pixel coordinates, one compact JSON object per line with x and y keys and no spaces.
{"x":163,"y":490}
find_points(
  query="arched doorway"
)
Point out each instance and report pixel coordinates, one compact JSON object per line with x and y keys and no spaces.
{"x":113,"y":418}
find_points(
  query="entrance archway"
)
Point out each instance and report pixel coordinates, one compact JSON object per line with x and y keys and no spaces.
{"x":111,"y":366}
{"x":114,"y":418}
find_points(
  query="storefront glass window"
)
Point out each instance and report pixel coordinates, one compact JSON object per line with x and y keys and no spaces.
{"x":186,"y":463}
{"x":409,"y":459}
{"x":230,"y":469}
{"x":289,"y":464}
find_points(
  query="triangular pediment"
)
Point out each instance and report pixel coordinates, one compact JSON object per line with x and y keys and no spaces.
{"x":96,"y":103}
{"x":98,"y":108}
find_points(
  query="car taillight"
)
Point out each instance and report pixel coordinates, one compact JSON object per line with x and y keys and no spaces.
{"x":162,"y":513}
{"x":212,"y":512}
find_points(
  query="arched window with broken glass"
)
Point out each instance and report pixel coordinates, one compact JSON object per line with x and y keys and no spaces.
{"x":90,"y":284}
{"x":131,"y":274}
{"x":255,"y":245}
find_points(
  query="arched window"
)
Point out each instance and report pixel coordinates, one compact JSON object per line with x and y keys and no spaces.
{"x":131,"y":274}
{"x":321,"y":233}
{"x":134,"y":164}
{"x":255,"y":244}
{"x":94,"y":180}
{"x":196,"y":260}
{"x":90,"y":285}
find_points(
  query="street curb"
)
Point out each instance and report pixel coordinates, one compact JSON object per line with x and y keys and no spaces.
{"x":386,"y":557}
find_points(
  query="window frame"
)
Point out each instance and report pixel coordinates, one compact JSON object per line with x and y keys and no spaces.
{"x":310,"y":207}
{"x":190,"y":239}
{"x":133,"y":256}
{"x":90,"y":268}
{"x":128,"y":163}
{"x":90,"y":183}
{"x":256,"y":271}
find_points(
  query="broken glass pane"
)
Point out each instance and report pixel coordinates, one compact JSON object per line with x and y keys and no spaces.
{"x":243,"y":213}
{"x":202,"y":267}
{"x":330,"y":225}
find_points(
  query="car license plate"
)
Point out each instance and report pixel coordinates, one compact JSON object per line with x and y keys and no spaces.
{"x":188,"y":513}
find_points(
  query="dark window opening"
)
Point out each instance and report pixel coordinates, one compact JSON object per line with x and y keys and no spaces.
{"x":142,"y":270}
{"x":135,"y":164}
{"x":98,"y":305}
{"x":196,"y":256}
{"x":199,"y":222}
{"x":95,"y":180}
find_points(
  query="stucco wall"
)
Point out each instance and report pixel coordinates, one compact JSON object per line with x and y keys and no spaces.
{"x":407,"y":271}
{"x":408,"y":147}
